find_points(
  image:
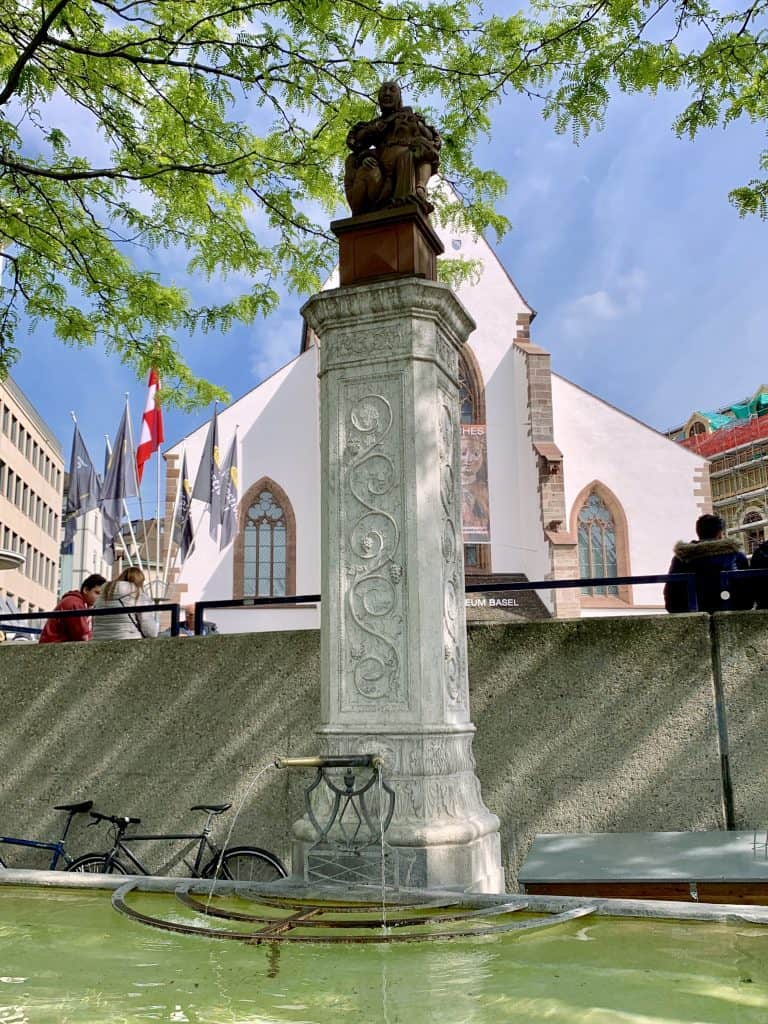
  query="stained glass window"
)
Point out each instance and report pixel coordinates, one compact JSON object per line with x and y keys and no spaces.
{"x":265,"y":548}
{"x":466,"y":396}
{"x":597,"y":546}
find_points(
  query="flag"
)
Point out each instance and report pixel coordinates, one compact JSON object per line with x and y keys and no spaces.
{"x":151,"y":425}
{"x":119,"y":483}
{"x":183,"y":535}
{"x":229,"y":496}
{"x":84,"y":489}
{"x":208,"y":480}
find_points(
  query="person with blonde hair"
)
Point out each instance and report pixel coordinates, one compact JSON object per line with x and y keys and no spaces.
{"x":124,"y":592}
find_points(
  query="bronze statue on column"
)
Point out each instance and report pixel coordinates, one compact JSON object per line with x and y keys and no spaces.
{"x":393,"y":157}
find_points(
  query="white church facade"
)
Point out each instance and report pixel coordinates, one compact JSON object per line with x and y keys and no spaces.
{"x":571,"y":486}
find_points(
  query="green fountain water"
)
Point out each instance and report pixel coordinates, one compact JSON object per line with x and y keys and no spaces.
{"x":68,"y":958}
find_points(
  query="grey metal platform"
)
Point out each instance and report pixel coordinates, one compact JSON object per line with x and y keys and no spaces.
{"x":711,"y":866}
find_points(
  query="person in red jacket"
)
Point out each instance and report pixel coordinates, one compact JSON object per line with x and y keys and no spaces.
{"x":75,"y":627}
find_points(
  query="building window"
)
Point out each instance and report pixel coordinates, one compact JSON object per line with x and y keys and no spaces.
{"x":755,"y":536}
{"x":697,"y":428}
{"x":477,"y":557}
{"x":599,"y":522}
{"x":597,"y":546}
{"x":265,"y":547}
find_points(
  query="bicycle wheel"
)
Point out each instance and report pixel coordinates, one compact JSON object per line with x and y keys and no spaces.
{"x":97,"y":864}
{"x":246,"y":864}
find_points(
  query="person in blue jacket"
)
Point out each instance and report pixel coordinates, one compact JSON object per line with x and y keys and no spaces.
{"x":760,"y":585}
{"x":707,"y":556}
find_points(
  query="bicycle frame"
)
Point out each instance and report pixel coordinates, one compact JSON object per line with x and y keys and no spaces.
{"x":57,"y":848}
{"x":205,"y":846}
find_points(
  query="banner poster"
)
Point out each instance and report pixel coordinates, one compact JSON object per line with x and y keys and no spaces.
{"x":475,"y":517}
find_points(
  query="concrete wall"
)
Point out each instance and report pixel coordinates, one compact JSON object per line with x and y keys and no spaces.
{"x":583,"y":725}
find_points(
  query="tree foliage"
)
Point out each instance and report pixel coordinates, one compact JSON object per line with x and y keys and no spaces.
{"x":208,"y":128}
{"x":574,"y":54}
{"x":210,"y":133}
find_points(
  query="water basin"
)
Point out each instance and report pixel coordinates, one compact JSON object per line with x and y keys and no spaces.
{"x":66,"y":956}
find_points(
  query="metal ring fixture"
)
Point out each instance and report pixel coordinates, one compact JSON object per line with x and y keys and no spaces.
{"x":297,"y":927}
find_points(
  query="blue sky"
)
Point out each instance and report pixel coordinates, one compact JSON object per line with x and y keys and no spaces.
{"x":651,"y":292}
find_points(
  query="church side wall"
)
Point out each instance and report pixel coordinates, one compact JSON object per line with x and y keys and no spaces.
{"x":518,"y":543}
{"x":493,"y":300}
{"x":582,"y":725}
{"x":657,"y":482}
{"x":279,"y":438}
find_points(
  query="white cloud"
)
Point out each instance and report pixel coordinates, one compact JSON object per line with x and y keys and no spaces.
{"x":622,"y":299}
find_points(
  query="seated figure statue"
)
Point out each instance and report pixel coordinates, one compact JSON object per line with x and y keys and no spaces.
{"x":393,"y":157}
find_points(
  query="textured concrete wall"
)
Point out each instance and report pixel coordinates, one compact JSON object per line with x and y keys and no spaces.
{"x":150,"y":728}
{"x":743,"y":643}
{"x":595,"y":725}
{"x":585,"y":725}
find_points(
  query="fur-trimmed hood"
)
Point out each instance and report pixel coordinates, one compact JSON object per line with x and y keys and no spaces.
{"x":689,"y":551}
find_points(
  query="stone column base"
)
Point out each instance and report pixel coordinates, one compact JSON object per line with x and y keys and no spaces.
{"x":441,"y":835}
{"x":442,"y":866}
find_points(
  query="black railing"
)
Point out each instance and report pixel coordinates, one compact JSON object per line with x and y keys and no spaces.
{"x":76,"y":613}
{"x":595,"y":582}
{"x":249,"y":602}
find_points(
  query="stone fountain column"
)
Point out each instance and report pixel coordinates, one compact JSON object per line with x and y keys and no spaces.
{"x":393,"y":637}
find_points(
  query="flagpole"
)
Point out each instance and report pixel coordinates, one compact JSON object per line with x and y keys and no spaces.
{"x":138,"y":488}
{"x":119,"y":533}
{"x":166,"y":568}
{"x":82,"y":539}
{"x":160,"y":596}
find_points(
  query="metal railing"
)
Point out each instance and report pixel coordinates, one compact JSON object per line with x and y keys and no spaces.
{"x":250,"y":602}
{"x":75,"y":613}
{"x":594,"y":582}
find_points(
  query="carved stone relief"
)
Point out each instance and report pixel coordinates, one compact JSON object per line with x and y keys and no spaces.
{"x":371,"y":510}
{"x":405,"y":754}
{"x":363,"y":342}
{"x":454,"y":664}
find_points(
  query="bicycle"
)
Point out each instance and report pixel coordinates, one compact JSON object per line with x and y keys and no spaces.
{"x":236,"y":863}
{"x":58,"y":846}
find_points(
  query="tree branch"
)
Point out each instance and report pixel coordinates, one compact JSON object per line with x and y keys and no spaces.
{"x":28,"y":52}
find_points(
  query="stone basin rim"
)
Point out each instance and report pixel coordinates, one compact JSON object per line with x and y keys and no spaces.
{"x":649,"y":909}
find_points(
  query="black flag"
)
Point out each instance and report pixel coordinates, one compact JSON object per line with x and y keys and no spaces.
{"x":84,"y":490}
{"x":182,"y":525}
{"x":119,"y":483}
{"x":208,"y":480}
{"x":229,"y":496}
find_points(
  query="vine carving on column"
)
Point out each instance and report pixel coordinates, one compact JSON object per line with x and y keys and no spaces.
{"x":372,"y":509}
{"x":454,"y":669}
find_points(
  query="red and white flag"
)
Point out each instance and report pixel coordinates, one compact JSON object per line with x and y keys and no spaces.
{"x":151,"y":425}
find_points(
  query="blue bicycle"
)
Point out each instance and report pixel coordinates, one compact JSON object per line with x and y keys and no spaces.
{"x":57,"y":847}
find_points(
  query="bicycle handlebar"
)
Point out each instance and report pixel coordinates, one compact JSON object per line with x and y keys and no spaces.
{"x":122,"y":821}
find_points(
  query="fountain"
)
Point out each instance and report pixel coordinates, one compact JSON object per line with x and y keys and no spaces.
{"x":394,"y":799}
{"x":393,"y":636}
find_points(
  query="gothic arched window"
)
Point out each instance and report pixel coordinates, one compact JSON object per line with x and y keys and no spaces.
{"x":265,"y":548}
{"x":601,"y":528}
{"x":597,"y":545}
{"x":477,"y":557}
{"x":755,"y":536}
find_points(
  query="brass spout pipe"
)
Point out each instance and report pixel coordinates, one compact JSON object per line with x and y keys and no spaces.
{"x":319,"y":761}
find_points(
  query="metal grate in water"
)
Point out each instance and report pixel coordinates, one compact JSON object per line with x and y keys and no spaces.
{"x":287,"y":919}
